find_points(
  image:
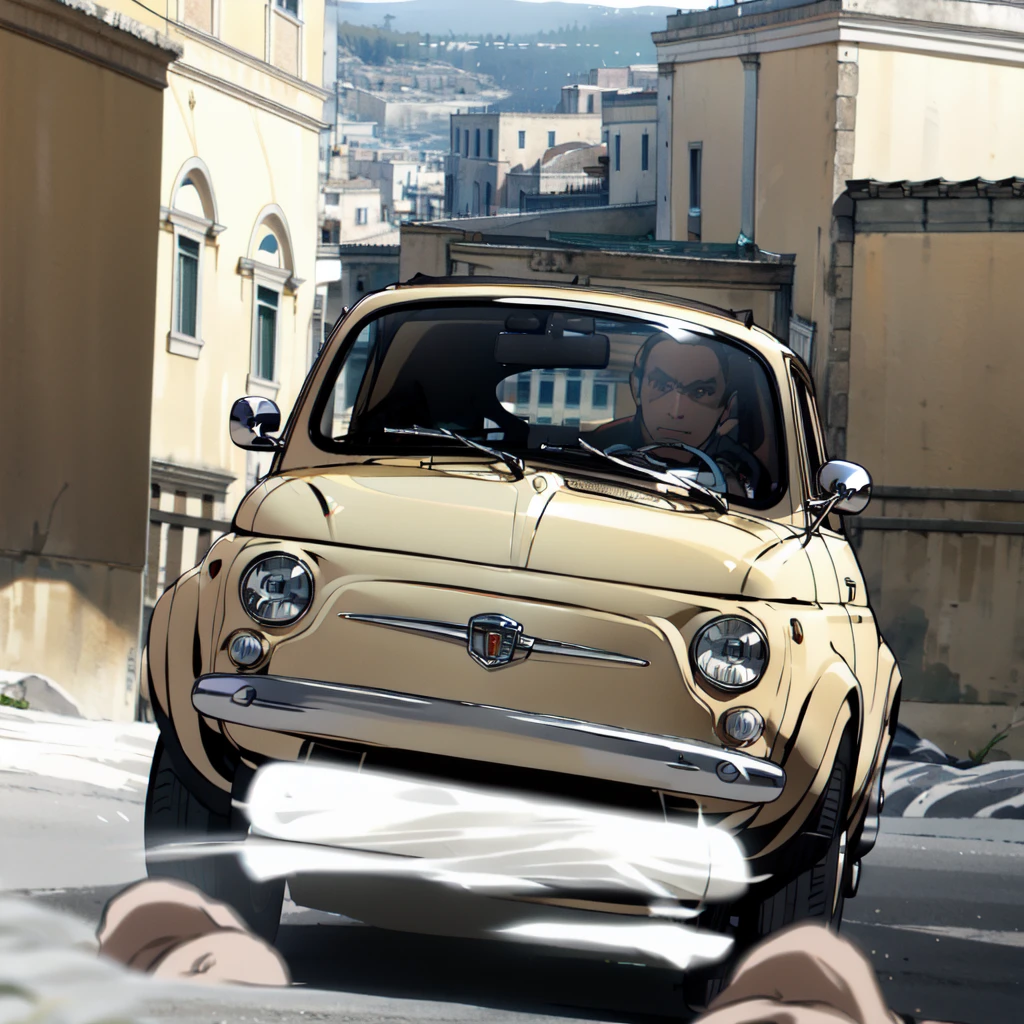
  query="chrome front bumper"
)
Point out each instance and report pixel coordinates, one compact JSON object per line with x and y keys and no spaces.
{"x":482,"y":732}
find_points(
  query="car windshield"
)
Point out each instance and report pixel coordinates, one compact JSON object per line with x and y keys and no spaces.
{"x":528,"y":378}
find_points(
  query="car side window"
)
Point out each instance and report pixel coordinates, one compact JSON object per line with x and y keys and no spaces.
{"x":809,"y":422}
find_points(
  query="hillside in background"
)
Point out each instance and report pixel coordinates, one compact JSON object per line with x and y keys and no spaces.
{"x":529,"y":49}
{"x":500,"y":17}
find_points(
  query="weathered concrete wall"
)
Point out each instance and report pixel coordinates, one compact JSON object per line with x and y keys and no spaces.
{"x":935,"y":371}
{"x":80,"y":177}
{"x":936,"y":362}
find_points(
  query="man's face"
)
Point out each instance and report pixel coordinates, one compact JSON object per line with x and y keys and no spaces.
{"x":682,"y":393}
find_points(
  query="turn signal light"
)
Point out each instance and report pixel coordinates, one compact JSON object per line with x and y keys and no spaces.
{"x":245,"y":649}
{"x":743,"y":725}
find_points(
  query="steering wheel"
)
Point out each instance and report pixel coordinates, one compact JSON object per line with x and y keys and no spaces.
{"x":716,"y":472}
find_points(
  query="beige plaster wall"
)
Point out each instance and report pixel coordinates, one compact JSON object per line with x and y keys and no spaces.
{"x":632,"y":184}
{"x":244,"y":26}
{"x":935,"y":372}
{"x":921,"y":116}
{"x":255,"y":159}
{"x":80,"y":173}
{"x":796,"y":144}
{"x":707,"y":106}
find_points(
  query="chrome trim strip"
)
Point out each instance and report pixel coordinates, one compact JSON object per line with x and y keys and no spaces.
{"x":454,"y":633}
{"x":483,"y":732}
{"x":449,"y":631}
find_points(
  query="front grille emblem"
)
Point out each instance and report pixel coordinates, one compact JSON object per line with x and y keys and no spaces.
{"x":493,"y":639}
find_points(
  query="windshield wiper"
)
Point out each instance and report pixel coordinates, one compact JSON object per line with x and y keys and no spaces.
{"x":687,"y":486}
{"x":515,"y":465}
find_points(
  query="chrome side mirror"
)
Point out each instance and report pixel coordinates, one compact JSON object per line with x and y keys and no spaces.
{"x":847,"y":483}
{"x":252,"y":421}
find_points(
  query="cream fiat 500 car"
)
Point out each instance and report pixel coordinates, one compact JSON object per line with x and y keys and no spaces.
{"x":550,"y":540}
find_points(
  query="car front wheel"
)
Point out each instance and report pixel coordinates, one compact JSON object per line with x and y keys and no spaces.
{"x":815,"y":894}
{"x":176,"y":815}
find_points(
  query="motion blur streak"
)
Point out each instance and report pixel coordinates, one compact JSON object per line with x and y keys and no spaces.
{"x":676,"y":944}
{"x":467,"y":834}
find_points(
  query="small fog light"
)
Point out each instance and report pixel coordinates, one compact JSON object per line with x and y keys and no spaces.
{"x":245,"y":649}
{"x":743,"y":725}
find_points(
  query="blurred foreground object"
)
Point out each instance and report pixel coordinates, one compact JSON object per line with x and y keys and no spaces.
{"x":803,"y":975}
{"x":172,"y":930}
{"x":49,"y":971}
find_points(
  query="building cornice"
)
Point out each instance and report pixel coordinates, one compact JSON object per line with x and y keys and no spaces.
{"x":200,"y":225}
{"x":254,"y":62}
{"x":254,"y":99}
{"x":279,"y":275}
{"x":816,"y":25}
{"x":192,"y":479}
{"x":96,"y":34}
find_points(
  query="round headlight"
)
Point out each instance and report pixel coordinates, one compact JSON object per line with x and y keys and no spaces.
{"x":730,"y":653}
{"x":277,"y":590}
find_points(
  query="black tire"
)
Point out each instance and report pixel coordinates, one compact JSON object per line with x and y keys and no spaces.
{"x":819,"y":893}
{"x":816,"y":894}
{"x":175,"y":815}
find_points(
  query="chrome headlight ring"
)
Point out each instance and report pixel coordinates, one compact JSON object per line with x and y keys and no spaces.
{"x":730,"y":653}
{"x":277,"y":589}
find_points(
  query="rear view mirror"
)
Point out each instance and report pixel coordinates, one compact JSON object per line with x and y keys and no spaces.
{"x":848,"y":483}
{"x":251,"y":422}
{"x":550,"y":351}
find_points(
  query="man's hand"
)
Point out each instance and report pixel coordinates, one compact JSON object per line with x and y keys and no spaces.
{"x":803,"y":975}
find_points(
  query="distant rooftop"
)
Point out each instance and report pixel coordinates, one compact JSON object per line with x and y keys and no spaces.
{"x":647,"y":246}
{"x":636,"y":98}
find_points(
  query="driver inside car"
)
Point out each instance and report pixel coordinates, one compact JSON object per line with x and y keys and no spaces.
{"x":684,"y":395}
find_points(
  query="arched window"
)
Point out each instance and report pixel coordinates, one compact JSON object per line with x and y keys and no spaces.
{"x":192,"y":218}
{"x":270,"y":264}
{"x":487,"y":199}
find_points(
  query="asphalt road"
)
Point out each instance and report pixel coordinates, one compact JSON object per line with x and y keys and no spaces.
{"x":940,"y":914}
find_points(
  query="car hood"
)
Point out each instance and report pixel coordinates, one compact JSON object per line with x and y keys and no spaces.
{"x":540,"y":523}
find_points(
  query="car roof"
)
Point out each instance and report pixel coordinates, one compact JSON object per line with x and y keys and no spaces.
{"x":735,"y":324}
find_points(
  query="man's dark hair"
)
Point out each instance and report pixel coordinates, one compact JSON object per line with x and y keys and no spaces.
{"x":739,"y":376}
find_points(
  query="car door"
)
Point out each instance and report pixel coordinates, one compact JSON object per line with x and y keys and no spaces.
{"x":862,"y":652}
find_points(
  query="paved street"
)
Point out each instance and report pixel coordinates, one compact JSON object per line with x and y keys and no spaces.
{"x":941,"y":912}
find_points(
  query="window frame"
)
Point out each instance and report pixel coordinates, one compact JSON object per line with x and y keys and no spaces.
{"x":476,"y":144}
{"x":298,"y":20}
{"x":551,"y":139}
{"x":179,"y":343}
{"x":183,"y":243}
{"x":362,"y":216}
{"x":800,"y":382}
{"x":695,"y":183}
{"x":255,"y":381}
{"x":645,"y":151}
{"x":490,"y":143}
{"x":522,"y":139}
{"x":618,"y":151}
